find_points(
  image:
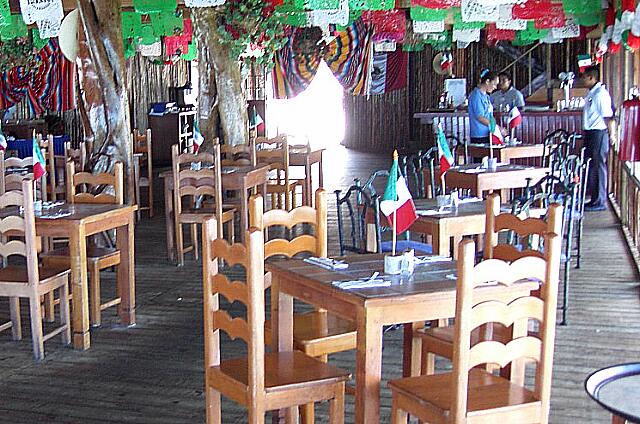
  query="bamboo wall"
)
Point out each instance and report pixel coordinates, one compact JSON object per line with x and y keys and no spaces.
{"x":384,"y":122}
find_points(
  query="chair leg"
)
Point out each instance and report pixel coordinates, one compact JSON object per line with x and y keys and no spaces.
{"x":49,"y":305}
{"x":194,"y":241}
{"x":293,"y":198}
{"x":565,"y":298}
{"x":214,"y":407}
{"x":35,"y":312}
{"x":231,"y":230}
{"x":94,"y":294}
{"x":179,"y":244}
{"x":428,"y":361}
{"x":398,"y":416}
{"x":307,"y":413}
{"x":16,"y":321}
{"x":65,"y":315}
{"x":336,"y":405}
{"x":256,"y":416}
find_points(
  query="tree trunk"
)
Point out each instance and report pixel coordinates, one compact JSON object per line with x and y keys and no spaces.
{"x":103,"y":81}
{"x":230,"y":102}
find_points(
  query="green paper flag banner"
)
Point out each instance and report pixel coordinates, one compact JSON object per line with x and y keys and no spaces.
{"x":419,"y":13}
{"x":192,"y":54}
{"x":460,"y":24}
{"x":203,"y":3}
{"x":129,"y":48}
{"x":14,"y":29}
{"x":38,"y":42}
{"x":321,"y":4}
{"x":166,"y":23}
{"x":147,"y":35}
{"x":289,"y":15}
{"x":131,"y":23}
{"x":151,"y":6}
{"x":372,"y":4}
{"x":5,"y":12}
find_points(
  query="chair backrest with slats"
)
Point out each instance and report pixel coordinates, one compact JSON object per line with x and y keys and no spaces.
{"x":78,"y":156}
{"x":204,"y":180}
{"x":21,"y":225}
{"x":525,"y":227}
{"x":238,"y":155}
{"x":14,"y":171}
{"x":142,"y":143}
{"x":94,"y":186}
{"x":355,"y":210}
{"x":249,"y":292}
{"x":315,"y":244}
{"x":537,"y":347}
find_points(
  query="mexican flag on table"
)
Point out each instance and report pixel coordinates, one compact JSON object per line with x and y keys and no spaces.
{"x":515,"y":118}
{"x":39,"y":164}
{"x":397,"y":204}
{"x":496,"y":135}
{"x":444,"y":153}
{"x":198,"y":138}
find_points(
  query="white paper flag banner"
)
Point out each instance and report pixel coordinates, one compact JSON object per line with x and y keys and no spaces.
{"x":474,"y":11}
{"x":496,"y":2}
{"x":462,"y":44}
{"x":41,"y":10}
{"x":421,"y":27}
{"x":618,"y":29}
{"x":550,"y":39}
{"x":466,"y":35}
{"x":203,"y":3}
{"x":49,"y":29}
{"x":506,"y":21}
{"x":569,"y":30}
{"x":151,"y":50}
{"x":385,"y":46}
{"x":325,"y":17}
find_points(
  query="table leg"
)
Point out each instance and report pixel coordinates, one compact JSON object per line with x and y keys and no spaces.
{"x":136,"y":179}
{"x":282,"y":330}
{"x":78,"y":254}
{"x":126,"y":273}
{"x":368,"y":368}
{"x":441,"y":244}
{"x":168,"y":221}
{"x":308,"y":186}
{"x":412,"y":350}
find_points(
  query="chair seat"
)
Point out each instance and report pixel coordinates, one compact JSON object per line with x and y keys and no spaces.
{"x":401,"y":245}
{"x":312,"y":336}
{"x":19,"y":274}
{"x":487,"y":392}
{"x":93,"y":253}
{"x":197,"y":216}
{"x":283,"y":370}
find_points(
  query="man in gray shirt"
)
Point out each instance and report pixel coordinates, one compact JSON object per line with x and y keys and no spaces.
{"x":506,"y":97}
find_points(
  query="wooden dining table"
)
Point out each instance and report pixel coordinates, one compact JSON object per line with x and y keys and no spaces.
{"x":506,"y":153}
{"x":480,"y":180}
{"x":79,"y":221}
{"x":234,"y":178}
{"x":428,"y":294}
{"x":449,"y":223}
{"x":307,"y":157}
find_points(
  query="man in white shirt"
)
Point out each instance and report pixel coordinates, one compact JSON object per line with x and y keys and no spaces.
{"x":598,"y":110}
{"x":507,"y":96}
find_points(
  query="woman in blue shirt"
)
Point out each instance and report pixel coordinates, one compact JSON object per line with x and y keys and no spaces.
{"x":480,"y":108}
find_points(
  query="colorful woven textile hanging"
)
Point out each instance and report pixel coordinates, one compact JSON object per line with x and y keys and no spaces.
{"x":50,"y":86}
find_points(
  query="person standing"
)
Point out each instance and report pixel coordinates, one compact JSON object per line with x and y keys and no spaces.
{"x":480,"y":107}
{"x":598,"y":110}
{"x":507,"y":96}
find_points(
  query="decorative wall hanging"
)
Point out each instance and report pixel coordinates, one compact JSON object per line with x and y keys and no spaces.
{"x":387,"y":24}
{"x":535,"y":9}
{"x":49,"y":29}
{"x":506,"y":20}
{"x":203,"y":3}
{"x":389,"y":72}
{"x":323,"y":18}
{"x":466,"y":35}
{"x":460,"y":23}
{"x":179,"y":44}
{"x":437,"y":4}
{"x":151,"y":6}
{"x":474,"y":11}
{"x":495,"y":34}
{"x":569,"y":30}
{"x":166,"y":23}
{"x":47,"y":14}
{"x":555,"y":19}
{"x":422,"y":27}
{"x":529,"y":35}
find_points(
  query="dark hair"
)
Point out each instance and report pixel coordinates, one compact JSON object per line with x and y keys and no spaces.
{"x":486,"y":75}
{"x":593,"y":72}
{"x":505,"y":74}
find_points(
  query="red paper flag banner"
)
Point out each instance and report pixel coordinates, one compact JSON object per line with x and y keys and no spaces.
{"x":556,"y":19}
{"x":387,"y":24}
{"x":535,"y":9}
{"x":437,"y":4}
{"x":494,"y":34}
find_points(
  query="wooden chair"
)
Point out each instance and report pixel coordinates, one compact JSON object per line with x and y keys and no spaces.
{"x":315,"y":333}
{"x":78,"y":156}
{"x":275,"y":153}
{"x":195,"y":184}
{"x":470,"y":394}
{"x":142,"y":150}
{"x":14,"y":170}
{"x":30,"y":281}
{"x":439,"y":340}
{"x":98,"y":258}
{"x":259,"y":381}
{"x":238,"y":155}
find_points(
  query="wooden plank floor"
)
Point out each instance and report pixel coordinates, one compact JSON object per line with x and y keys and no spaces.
{"x":153,"y":372}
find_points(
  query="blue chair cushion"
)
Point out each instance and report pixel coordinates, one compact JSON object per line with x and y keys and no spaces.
{"x":401,"y":245}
